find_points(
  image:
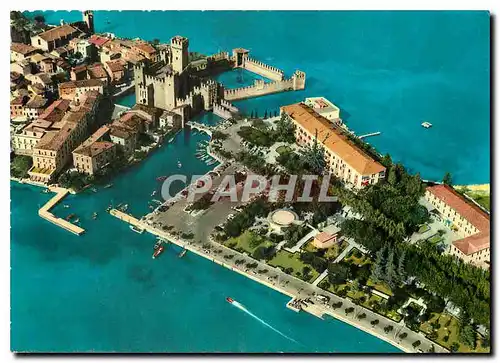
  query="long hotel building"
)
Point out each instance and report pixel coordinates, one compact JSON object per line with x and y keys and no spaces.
{"x":470,"y":222}
{"x":343,"y":158}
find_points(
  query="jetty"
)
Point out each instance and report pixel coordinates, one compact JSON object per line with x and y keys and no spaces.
{"x":368,"y":135}
{"x":45,"y":213}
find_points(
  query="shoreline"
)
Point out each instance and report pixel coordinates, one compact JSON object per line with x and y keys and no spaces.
{"x":315,"y":310}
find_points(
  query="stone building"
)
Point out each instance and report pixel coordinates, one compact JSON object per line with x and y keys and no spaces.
{"x":116,"y":70}
{"x":55,"y":37}
{"x":20,"y":51}
{"x":94,"y":153}
{"x":35,"y":107}
{"x":468,"y":220}
{"x":73,"y":90}
{"x":17,"y":106}
{"x":26,"y":139}
{"x":344,"y":159}
{"x":167,"y":84}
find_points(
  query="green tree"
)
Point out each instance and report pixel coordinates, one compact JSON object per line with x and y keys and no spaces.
{"x":337,"y":273}
{"x":467,"y":336}
{"x":386,"y":161}
{"x":403,"y":336}
{"x":20,"y":165}
{"x":416,"y":343}
{"x":378,"y":269}
{"x":392,"y":177}
{"x":454,"y":347}
{"x":391,"y":274}
{"x":447,"y":179}
{"x":285,"y":130}
{"x":313,"y":157}
{"x":401,"y":267}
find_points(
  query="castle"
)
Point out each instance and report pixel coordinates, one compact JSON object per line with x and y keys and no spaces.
{"x":170,"y":82}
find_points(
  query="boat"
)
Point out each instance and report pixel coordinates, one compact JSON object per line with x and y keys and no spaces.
{"x":179,"y":164}
{"x":158,"y":251}
{"x":153,"y":194}
{"x":426,"y":124}
{"x":94,"y":215}
{"x":94,"y":190}
{"x":229,"y":300}
{"x":72,"y":215}
{"x":77,"y":220}
{"x":157,"y":201}
{"x":66,"y":206}
{"x":183,"y":252}
{"x":136,"y":229}
{"x":108,"y":185}
{"x":109,"y":208}
{"x":161,"y":178}
{"x":172,"y":139}
{"x":45,"y":191}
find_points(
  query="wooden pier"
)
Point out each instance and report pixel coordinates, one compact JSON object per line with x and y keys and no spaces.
{"x":44,"y":212}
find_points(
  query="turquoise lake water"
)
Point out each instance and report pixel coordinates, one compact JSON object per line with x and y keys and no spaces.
{"x":388,"y":72}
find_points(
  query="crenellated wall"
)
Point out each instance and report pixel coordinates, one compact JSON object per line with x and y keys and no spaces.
{"x":260,"y":88}
{"x":221,"y":111}
{"x":263,"y":69}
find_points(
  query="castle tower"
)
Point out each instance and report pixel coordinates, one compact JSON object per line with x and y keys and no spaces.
{"x":88,"y":18}
{"x":180,"y":53}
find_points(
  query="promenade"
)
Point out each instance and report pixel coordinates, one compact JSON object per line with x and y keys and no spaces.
{"x":297,"y":289}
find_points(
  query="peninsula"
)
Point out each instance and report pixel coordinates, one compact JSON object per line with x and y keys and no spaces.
{"x":399,"y":258}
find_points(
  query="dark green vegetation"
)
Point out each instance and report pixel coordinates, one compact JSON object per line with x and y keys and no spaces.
{"x":74,"y":180}
{"x":294,"y":234}
{"x":261,"y":134}
{"x":19,"y":166}
{"x":391,"y":213}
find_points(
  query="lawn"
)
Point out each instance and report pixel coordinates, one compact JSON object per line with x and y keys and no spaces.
{"x":247,"y":242}
{"x":451,"y":331}
{"x":353,"y":259}
{"x":283,"y":149}
{"x":285,"y":259}
{"x":256,"y":136}
{"x":423,"y":228}
{"x":380,"y":286}
{"x":370,"y":300}
{"x":436,"y":238}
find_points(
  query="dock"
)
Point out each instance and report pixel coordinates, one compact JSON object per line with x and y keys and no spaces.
{"x":126,"y":218}
{"x":45,"y":213}
{"x":368,"y":135}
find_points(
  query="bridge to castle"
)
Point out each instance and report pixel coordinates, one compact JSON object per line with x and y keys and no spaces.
{"x":202,"y":127}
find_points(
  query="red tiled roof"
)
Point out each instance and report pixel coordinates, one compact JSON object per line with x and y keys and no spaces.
{"x":98,"y":40}
{"x":472,"y":213}
{"x":22,"y":48}
{"x":474,"y":243}
{"x":323,"y":237}
{"x":58,"y":32}
{"x":55,"y":111}
{"x":333,"y":139}
{"x":81,"y":83}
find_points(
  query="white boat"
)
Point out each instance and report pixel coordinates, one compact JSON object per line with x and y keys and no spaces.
{"x":154,"y":193}
{"x":179,"y":164}
{"x":426,"y":124}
